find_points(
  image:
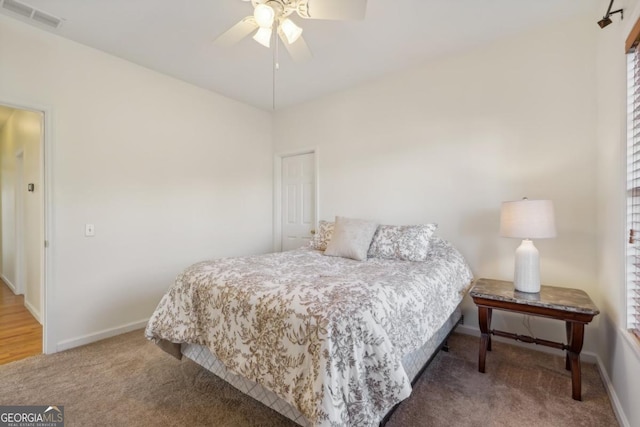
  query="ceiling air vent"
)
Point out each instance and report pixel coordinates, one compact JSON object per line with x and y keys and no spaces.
{"x":16,"y":7}
{"x":46,"y":19}
{"x":31,"y":13}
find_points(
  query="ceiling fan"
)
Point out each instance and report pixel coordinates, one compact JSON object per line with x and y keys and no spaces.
{"x":270,"y":15}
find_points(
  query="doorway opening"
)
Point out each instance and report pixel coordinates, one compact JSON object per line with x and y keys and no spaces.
{"x":22,"y":233}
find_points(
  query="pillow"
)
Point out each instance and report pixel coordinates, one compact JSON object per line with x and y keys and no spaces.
{"x":351,"y":238}
{"x":403,"y":242}
{"x":322,"y":236}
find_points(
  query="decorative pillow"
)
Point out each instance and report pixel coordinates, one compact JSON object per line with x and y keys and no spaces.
{"x":322,"y":236}
{"x":403,"y":242}
{"x":351,"y":238}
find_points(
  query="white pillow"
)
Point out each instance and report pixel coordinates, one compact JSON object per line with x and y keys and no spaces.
{"x":351,"y":238}
{"x":403,"y":242}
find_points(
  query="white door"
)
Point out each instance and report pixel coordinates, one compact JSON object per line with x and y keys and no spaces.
{"x":298,"y":200}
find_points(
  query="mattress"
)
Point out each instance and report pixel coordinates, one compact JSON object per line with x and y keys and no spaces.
{"x":412,"y":362}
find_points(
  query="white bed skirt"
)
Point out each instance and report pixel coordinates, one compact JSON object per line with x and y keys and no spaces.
{"x":412,"y":363}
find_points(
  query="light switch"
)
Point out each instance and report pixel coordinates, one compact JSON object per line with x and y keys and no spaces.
{"x":89,"y":230}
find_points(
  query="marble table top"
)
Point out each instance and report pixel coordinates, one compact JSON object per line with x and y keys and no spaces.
{"x":566,"y":299}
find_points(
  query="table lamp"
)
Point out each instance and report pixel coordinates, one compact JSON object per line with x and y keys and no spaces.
{"x":527,"y":219}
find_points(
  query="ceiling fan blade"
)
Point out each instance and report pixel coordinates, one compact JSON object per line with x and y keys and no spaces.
{"x":236,"y":33}
{"x":298,"y":50}
{"x":333,"y":9}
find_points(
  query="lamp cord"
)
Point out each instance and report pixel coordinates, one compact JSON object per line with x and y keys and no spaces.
{"x":526,"y":322}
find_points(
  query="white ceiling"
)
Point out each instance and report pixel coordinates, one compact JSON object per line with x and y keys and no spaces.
{"x":175,"y":38}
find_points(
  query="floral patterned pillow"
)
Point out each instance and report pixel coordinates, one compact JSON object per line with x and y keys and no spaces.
{"x":403,"y":242}
{"x":322,"y":236}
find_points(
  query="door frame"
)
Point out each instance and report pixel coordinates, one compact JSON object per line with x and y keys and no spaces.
{"x":47,"y":287}
{"x":277,"y":191}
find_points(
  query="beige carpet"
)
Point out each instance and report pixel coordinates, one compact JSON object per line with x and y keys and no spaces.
{"x":127,"y":381}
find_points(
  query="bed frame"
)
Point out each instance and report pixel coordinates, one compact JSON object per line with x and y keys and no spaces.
{"x":415,"y":363}
{"x":444,"y":346}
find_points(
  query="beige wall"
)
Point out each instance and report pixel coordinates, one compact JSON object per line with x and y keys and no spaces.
{"x":448,"y":141}
{"x":542,"y":115}
{"x":169,"y":173}
{"x":22,"y":134}
{"x":619,"y":351}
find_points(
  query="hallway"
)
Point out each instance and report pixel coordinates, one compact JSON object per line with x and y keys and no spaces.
{"x":20,"y":332}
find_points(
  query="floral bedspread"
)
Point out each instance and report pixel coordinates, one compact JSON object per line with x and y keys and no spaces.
{"x":326,"y":334}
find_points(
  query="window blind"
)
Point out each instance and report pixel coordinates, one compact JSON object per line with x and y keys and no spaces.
{"x":633,"y":188}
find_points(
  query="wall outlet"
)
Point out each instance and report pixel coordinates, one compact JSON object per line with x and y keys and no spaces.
{"x":89,"y":230}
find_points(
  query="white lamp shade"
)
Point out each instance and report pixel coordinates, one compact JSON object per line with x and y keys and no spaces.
{"x":528,"y":219}
{"x":263,"y":36}
{"x":291,"y":31}
{"x":264,"y":15}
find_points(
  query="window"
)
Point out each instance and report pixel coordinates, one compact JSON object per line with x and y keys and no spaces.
{"x":633,"y":180}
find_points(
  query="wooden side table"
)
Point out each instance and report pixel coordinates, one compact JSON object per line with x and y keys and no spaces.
{"x":572,"y":306}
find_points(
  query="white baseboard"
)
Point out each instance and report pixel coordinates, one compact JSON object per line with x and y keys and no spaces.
{"x":8,"y":282}
{"x":97,"y":336}
{"x":613,"y":397}
{"x":35,"y":313}
{"x":586,"y":356}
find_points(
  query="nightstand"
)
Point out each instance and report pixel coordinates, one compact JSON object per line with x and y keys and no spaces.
{"x":573,"y":306}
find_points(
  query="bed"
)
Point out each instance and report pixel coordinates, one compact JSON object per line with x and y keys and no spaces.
{"x":322,"y":340}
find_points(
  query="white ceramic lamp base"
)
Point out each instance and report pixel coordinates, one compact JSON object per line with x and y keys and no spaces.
{"x":527,"y":269}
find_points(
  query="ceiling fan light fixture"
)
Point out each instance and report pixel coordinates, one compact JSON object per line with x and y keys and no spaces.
{"x":291,"y":31}
{"x":265,"y":15}
{"x":263,"y":36}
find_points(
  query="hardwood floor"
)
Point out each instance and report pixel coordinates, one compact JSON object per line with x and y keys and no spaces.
{"x":20,"y":332}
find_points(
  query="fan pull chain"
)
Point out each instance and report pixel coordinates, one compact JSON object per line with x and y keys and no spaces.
{"x":276,"y":67}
